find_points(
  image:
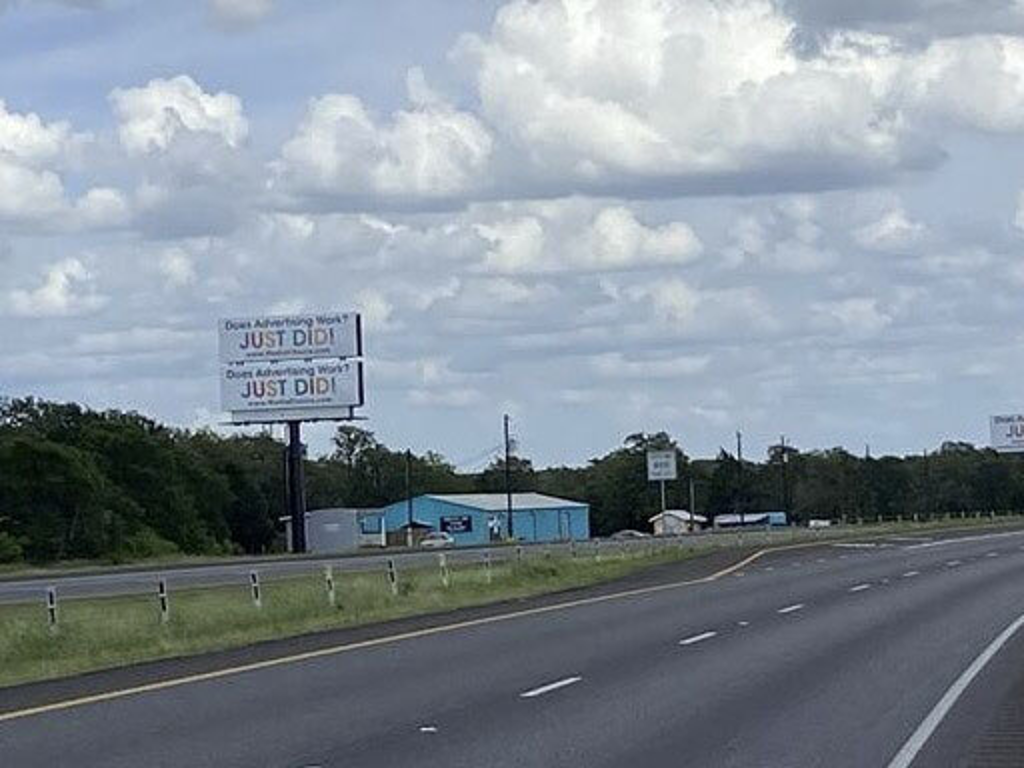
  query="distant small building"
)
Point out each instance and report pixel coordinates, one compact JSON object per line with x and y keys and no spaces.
{"x":673,"y":522}
{"x":759,"y":519}
{"x":481,"y":518}
{"x":338,"y":529}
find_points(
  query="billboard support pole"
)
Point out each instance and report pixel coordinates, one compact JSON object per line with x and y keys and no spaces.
{"x":295,"y":483}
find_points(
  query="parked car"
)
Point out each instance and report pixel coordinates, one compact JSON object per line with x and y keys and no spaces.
{"x":628,"y":534}
{"x":437,"y":540}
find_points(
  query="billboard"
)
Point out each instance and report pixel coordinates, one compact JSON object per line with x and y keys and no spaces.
{"x":1008,"y":433}
{"x":268,"y":392}
{"x":290,"y":337}
{"x":661,"y":465}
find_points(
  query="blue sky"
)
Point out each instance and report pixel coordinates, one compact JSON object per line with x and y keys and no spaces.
{"x":692,"y":215}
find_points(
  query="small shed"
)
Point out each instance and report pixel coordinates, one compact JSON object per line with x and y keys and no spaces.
{"x":673,"y":522}
{"x":337,"y":529}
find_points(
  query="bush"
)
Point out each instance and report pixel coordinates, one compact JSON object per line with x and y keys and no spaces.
{"x":10,"y":549}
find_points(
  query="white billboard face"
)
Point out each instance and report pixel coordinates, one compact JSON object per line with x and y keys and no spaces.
{"x":290,"y":391}
{"x":661,"y":465}
{"x":1008,"y":433}
{"x":290,"y":337}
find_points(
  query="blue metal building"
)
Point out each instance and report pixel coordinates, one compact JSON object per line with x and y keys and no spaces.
{"x":481,"y":518}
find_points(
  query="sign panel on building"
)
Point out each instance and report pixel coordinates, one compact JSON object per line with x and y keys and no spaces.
{"x":661,"y":465}
{"x":290,"y":337}
{"x":1008,"y":433}
{"x":457,"y":524}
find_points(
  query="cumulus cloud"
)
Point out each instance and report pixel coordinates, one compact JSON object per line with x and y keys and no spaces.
{"x":893,"y":231}
{"x":67,"y":289}
{"x":431,"y":151}
{"x":553,"y":238}
{"x":152,"y":116}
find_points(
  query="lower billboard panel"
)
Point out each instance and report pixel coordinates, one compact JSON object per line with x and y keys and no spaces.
{"x":294,"y":391}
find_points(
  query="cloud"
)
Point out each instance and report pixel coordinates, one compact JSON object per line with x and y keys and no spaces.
{"x":340,"y":150}
{"x":151,"y":117}
{"x":572,"y":236}
{"x":597,"y":93}
{"x":894,"y":231}
{"x":67,"y":290}
{"x":240,"y":13}
{"x":859,"y":317}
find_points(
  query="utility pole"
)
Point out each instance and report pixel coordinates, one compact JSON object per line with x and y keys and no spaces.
{"x":693,"y":502}
{"x":739,"y":476}
{"x":508,"y":480}
{"x":785,"y":476}
{"x":408,"y":497}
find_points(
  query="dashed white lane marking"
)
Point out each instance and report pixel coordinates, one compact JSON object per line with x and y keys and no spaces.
{"x":791,"y":608}
{"x":698,"y":638}
{"x":842,"y":557}
{"x":743,"y":623}
{"x":428,"y":729}
{"x":860,"y":587}
{"x":992,"y":554}
{"x":962,"y":539}
{"x":953,"y":563}
{"x":822,"y":560}
{"x":535,"y":692}
{"x":770,"y":568}
{"x":911,"y":574}
{"x":905,"y":757}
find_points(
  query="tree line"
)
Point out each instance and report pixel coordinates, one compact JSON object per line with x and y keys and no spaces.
{"x":82,"y":484}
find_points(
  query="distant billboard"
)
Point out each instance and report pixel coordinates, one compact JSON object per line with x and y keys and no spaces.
{"x":661,"y":465}
{"x":290,"y":337}
{"x":1008,"y":433}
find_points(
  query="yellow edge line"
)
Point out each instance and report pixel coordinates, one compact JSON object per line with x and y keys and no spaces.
{"x":372,"y":643}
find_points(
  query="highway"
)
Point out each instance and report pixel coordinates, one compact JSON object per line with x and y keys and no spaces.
{"x":894,"y":653}
{"x":125,"y":581}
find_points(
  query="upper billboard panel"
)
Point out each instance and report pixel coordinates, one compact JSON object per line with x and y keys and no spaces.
{"x":290,"y":337}
{"x":661,"y":465}
{"x":1008,"y":433}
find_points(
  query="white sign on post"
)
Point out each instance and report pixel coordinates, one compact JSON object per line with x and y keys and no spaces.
{"x":661,"y":465}
{"x":290,"y":337}
{"x":1008,"y":433}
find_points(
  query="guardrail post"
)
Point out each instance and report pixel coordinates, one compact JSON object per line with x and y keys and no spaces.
{"x":442,"y":562}
{"x":51,"y":609}
{"x":488,"y":575}
{"x":332,"y":596}
{"x":254,"y":587}
{"x":519,"y":554}
{"x":164,"y":600}
{"x":392,"y":576}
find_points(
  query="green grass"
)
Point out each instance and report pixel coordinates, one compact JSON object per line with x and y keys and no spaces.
{"x":101,"y":633}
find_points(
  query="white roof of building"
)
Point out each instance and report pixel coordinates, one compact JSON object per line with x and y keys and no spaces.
{"x":679,"y":514}
{"x":497,"y":502}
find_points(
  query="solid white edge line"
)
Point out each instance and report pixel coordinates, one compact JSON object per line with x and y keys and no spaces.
{"x":905,"y":757}
{"x":860,"y":587}
{"x":698,"y":638}
{"x":791,"y":608}
{"x":535,"y":692}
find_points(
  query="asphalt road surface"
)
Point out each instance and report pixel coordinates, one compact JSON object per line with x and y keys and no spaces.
{"x":894,"y":654}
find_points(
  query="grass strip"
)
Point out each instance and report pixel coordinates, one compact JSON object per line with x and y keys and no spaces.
{"x":100,"y":633}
